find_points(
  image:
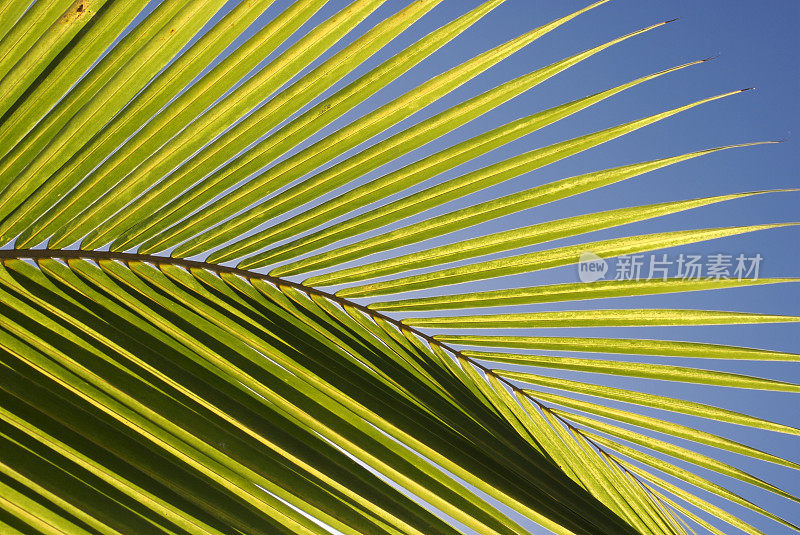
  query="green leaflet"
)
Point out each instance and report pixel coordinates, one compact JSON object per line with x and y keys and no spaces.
{"x":23,"y":33}
{"x":21,"y":462}
{"x":408,"y":176}
{"x":321,"y":468}
{"x":11,"y":15}
{"x":536,"y":261}
{"x":34,"y":514}
{"x":637,"y":490}
{"x":271,"y":114}
{"x":637,"y":369}
{"x":593,"y":477}
{"x":78,"y":56}
{"x":650,"y":400}
{"x":385,"y":151}
{"x":668,"y":348}
{"x":533,"y":421}
{"x":567,"y":292}
{"x":47,"y":47}
{"x":690,"y":498}
{"x":598,"y":318}
{"x":275,"y":433}
{"x":466,"y":184}
{"x":503,"y":241}
{"x":320,"y":406}
{"x":38,"y":135}
{"x":663,"y":426}
{"x":56,"y":209}
{"x":167,"y":40}
{"x":210,"y":123}
{"x":672,"y":450}
{"x":679,"y":508}
{"x":119,"y":396}
{"x":348,"y":137}
{"x":476,"y":180}
{"x":685,"y":475}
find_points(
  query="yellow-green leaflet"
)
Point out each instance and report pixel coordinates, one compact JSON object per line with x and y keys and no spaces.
{"x":568,"y":292}
{"x":644,"y":399}
{"x":430,"y":166}
{"x":385,"y":151}
{"x":684,"y":511}
{"x":625,"y":346}
{"x":685,"y":475}
{"x":663,"y":426}
{"x":480,"y":179}
{"x":231,"y":109}
{"x":598,"y":318}
{"x":175,"y":26}
{"x":176,"y":203}
{"x":26,"y":30}
{"x":14,"y":83}
{"x":348,"y":137}
{"x":690,"y":498}
{"x":550,"y":258}
{"x":672,"y":450}
{"x":501,"y":241}
{"x":593,"y":477}
{"x":147,"y":103}
{"x":77,"y":58}
{"x":637,"y":369}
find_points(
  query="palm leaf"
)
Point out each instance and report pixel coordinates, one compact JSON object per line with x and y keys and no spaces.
{"x":146,"y":393}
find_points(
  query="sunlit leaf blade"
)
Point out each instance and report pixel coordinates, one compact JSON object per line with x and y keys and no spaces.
{"x":651,"y":400}
{"x":11,"y":16}
{"x":348,"y":137}
{"x":231,"y":110}
{"x":685,"y":475}
{"x":642,"y":370}
{"x":593,"y":476}
{"x":686,"y":512}
{"x":625,"y":346}
{"x":471,"y":182}
{"x":413,"y":174}
{"x":300,"y":93}
{"x":172,"y":28}
{"x":61,"y":209}
{"x":568,"y":292}
{"x":53,"y":40}
{"x":678,"y":452}
{"x":501,"y":241}
{"x":25,"y":25}
{"x":690,"y":498}
{"x":598,"y":318}
{"x":387,"y":150}
{"x":534,"y":261}
{"x":77,"y":57}
{"x":532,"y":422}
{"x":666,"y":427}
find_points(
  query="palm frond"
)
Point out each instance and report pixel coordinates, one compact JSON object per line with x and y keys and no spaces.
{"x":146,"y":393}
